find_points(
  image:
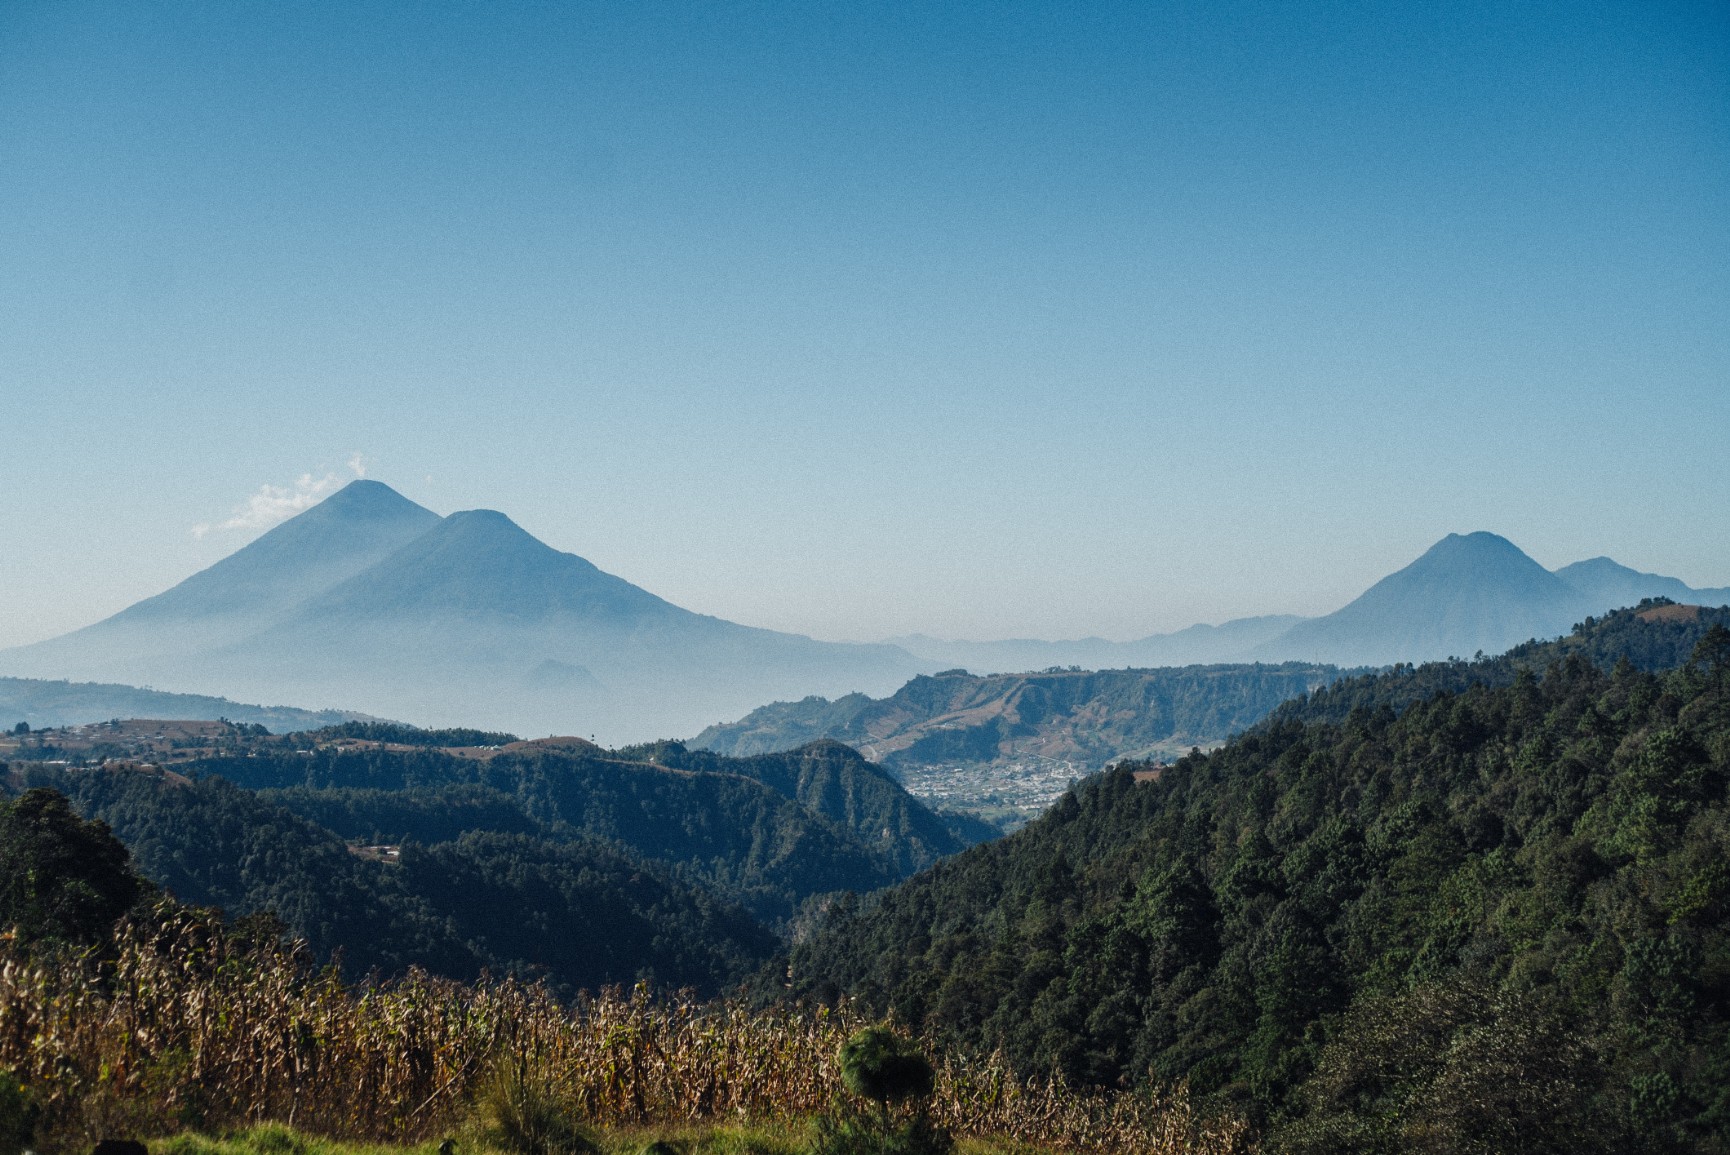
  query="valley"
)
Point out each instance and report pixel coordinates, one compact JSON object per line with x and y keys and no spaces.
{"x":1379,"y":848}
{"x":771,"y":835}
{"x":1008,"y":793}
{"x":1186,"y":897}
{"x":603,"y":578}
{"x":1006,"y":746}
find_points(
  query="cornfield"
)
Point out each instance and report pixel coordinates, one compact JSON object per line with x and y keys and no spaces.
{"x":180,"y":1027}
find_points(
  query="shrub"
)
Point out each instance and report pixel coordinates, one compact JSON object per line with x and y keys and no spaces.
{"x":18,"y":1114}
{"x":521,"y":1118}
{"x":61,"y":878}
{"x":878,"y":1064}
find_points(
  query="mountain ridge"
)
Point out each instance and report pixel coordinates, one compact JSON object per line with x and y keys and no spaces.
{"x":372,"y":600}
{"x":1002,"y":746}
{"x":352,"y":529}
{"x":968,"y":713}
{"x":1467,"y":593}
{"x":1196,"y":645}
{"x":241,"y":594}
{"x":441,"y":570}
{"x":1604,"y":580}
{"x":42,"y":703}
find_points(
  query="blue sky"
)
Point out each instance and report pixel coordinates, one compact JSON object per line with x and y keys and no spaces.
{"x":980,"y":320}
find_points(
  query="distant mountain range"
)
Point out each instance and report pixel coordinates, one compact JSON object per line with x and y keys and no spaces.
{"x":39,"y":703}
{"x":372,"y":601}
{"x":1470,"y":593}
{"x":1087,"y":718}
{"x":1003,"y":746}
{"x":1467,"y":593}
{"x":376,"y":604}
{"x":1193,"y":646}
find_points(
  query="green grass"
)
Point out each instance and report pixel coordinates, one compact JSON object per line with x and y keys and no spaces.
{"x":739,"y":1140}
{"x":275,"y":1139}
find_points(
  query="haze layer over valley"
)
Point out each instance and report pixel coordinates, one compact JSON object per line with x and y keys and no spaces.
{"x":368,"y":602}
{"x":369,"y":598}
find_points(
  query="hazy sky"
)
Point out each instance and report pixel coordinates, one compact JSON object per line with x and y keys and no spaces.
{"x":980,"y":320}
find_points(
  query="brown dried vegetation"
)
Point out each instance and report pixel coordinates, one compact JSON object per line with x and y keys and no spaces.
{"x":183,"y":1026}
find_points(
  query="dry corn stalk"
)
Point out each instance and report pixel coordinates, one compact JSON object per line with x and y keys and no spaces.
{"x":182,"y":1027}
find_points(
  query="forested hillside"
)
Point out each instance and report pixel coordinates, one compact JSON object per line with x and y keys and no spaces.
{"x":1658,"y":634}
{"x":769,"y":832}
{"x":1489,"y":915}
{"x":833,"y":780}
{"x":462,"y":850}
{"x":575,"y":910}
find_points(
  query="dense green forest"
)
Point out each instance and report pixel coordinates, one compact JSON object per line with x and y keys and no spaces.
{"x":576,"y":910}
{"x":63,"y":881}
{"x":769,"y":832}
{"x":835,"y":781}
{"x":1471,"y":907}
{"x":1655,"y":635}
{"x":553,"y":859}
{"x":400,"y":734}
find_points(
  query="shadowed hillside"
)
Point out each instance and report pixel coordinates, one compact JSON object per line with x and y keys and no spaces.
{"x":770,"y":833}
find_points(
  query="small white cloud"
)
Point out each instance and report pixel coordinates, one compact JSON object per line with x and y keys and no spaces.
{"x":275,"y":503}
{"x":358,"y":464}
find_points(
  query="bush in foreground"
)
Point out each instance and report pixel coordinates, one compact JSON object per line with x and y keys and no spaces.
{"x":881,"y":1066}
